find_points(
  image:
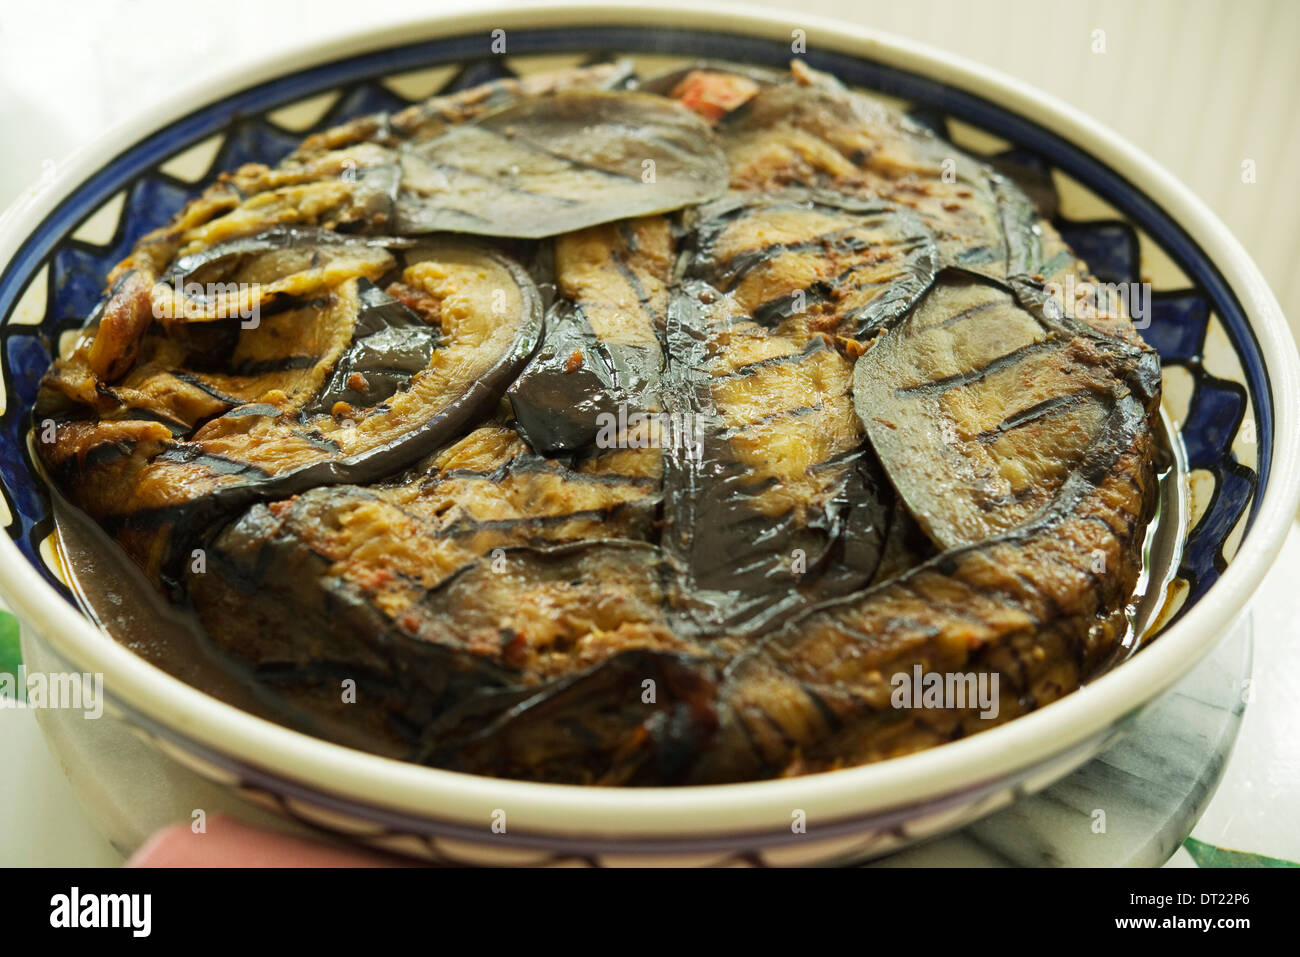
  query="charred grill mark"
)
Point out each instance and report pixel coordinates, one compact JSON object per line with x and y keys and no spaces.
{"x":731,"y":322}
{"x":1084,"y":568}
{"x":218,"y":464}
{"x":318,"y":441}
{"x":828,"y":715}
{"x":1054,"y":607}
{"x":750,"y":368}
{"x":774,"y":311}
{"x":965,"y":314}
{"x":205,"y":387}
{"x":633,"y":280}
{"x":97,"y":457}
{"x":731,"y":273}
{"x":771,"y":417}
{"x":1132,"y":480}
{"x":960,"y":379}
{"x":494,"y":474}
{"x":150,"y":415}
{"x":994,"y":596}
{"x":290,"y":363}
{"x":781,"y":732}
{"x":1106,"y":523}
{"x":1040,"y":410}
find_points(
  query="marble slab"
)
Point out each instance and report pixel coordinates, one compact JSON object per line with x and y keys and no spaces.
{"x":1134,"y":804}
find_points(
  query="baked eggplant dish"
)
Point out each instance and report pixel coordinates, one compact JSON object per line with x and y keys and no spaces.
{"x":601,"y":429}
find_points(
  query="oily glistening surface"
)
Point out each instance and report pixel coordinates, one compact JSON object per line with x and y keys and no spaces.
{"x":609,"y":429}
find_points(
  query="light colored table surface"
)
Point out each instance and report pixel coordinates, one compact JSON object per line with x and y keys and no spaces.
{"x":1257,"y":807}
{"x":59,"y":90}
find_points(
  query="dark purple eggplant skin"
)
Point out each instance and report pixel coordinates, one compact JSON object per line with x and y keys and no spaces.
{"x":390,"y":344}
{"x":626,"y":740}
{"x":558,"y":407}
{"x":477,"y":176}
{"x":226,"y":256}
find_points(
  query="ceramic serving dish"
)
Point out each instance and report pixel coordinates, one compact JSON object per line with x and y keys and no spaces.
{"x":1231,"y":384}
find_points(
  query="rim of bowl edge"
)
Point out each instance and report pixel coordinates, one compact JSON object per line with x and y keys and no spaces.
{"x":682,"y":812}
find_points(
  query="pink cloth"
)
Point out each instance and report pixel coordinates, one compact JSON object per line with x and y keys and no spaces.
{"x":231,"y":843}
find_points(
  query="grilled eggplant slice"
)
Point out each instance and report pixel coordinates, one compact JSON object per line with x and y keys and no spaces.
{"x":777,"y":505}
{"x":551,"y":165}
{"x":243,"y":278}
{"x":250,"y":442}
{"x":982,"y":412}
{"x":602,"y":345}
{"x":499,"y":631}
{"x":353,"y":189}
{"x":610,"y":595}
{"x":809,"y":411}
{"x":781,"y":504}
{"x":429,"y":119}
{"x":816,"y":133}
{"x":398,"y":543}
{"x":846,"y":266}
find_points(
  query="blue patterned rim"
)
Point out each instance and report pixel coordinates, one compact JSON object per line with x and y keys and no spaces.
{"x":1180,"y":318}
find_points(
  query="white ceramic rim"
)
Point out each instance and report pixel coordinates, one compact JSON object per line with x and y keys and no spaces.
{"x":683,"y":813}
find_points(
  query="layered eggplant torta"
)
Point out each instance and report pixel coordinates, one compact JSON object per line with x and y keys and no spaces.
{"x":599,"y":429}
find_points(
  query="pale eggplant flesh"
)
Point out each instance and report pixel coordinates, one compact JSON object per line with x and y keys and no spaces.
{"x":620,"y":432}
